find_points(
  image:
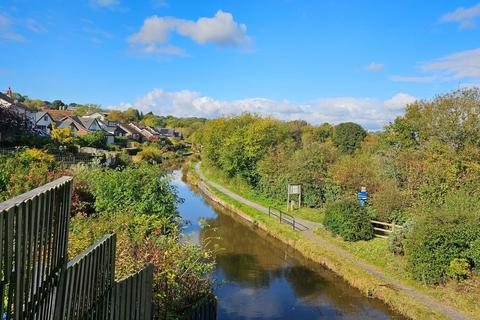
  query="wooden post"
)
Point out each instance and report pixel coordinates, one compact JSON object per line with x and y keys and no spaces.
{"x":288,"y":197}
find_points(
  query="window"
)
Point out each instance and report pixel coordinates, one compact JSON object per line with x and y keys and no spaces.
{"x":45,"y":118}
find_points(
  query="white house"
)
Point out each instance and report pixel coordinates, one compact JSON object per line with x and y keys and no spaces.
{"x":42,"y":121}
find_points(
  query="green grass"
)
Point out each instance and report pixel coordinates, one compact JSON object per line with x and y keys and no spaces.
{"x":463,"y":296}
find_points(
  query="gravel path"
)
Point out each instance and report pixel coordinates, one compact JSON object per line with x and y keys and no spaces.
{"x":423,"y":298}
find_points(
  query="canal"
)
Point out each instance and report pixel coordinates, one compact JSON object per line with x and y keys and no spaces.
{"x":265,"y":279}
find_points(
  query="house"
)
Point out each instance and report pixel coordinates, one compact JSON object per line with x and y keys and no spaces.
{"x":131,"y":132}
{"x":42,"y":121}
{"x":169,"y":133}
{"x":91,"y":124}
{"x":58,"y":115}
{"x":7,"y":101}
{"x":77,"y":127}
{"x":113,"y":129}
{"x":147,"y":132}
{"x":98,"y":115}
{"x":84,"y":125}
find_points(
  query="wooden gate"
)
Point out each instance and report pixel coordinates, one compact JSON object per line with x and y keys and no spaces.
{"x":37,"y":281}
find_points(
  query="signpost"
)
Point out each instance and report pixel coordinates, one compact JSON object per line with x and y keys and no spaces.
{"x":294,"y":189}
{"x":362,"y":196}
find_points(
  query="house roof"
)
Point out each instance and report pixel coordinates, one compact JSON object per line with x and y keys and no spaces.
{"x":129,"y":129}
{"x":69,"y":121}
{"x":6,"y":98}
{"x":86,"y":121}
{"x":39,"y":115}
{"x":10,"y":101}
{"x":58,"y":114}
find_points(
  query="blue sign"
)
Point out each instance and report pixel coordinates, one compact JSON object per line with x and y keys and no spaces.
{"x":362,"y":196}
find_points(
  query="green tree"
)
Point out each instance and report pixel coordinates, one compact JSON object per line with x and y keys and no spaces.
{"x":348,"y":136}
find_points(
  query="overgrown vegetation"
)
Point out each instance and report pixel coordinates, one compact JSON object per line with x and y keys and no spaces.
{"x":138,"y":203}
{"x":349,"y":220}
{"x":412,"y":171}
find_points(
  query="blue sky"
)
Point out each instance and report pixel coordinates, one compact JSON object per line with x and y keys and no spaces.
{"x":315,"y":60}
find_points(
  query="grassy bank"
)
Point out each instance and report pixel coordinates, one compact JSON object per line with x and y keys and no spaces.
{"x":463,"y":296}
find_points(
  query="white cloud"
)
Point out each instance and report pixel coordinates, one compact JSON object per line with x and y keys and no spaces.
{"x":369,"y":112}
{"x":6,"y":32}
{"x":374,"y":67}
{"x":459,"y":65}
{"x":417,"y":79}
{"x":105,"y":3}
{"x":399,"y":101}
{"x":463,"y":64}
{"x":465,"y":17}
{"x":34,"y":26}
{"x":221,"y":30}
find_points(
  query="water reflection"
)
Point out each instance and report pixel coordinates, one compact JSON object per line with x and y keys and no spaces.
{"x":265,"y":279}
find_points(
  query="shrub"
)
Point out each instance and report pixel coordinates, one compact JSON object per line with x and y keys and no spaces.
{"x":181,"y":269}
{"x":149,"y":154}
{"x":349,"y":220}
{"x":442,"y":234}
{"x":474,"y":253}
{"x":396,"y":240}
{"x":94,"y":139}
{"x":458,"y":269}
{"x":141,"y":190}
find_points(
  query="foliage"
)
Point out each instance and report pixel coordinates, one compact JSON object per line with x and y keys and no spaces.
{"x":129,"y":115}
{"x":182,"y":270}
{"x":94,"y":139}
{"x":348,"y":136}
{"x":25,"y":170}
{"x":63,"y":136}
{"x":13,"y":124}
{"x":458,"y":269}
{"x":150,"y":154}
{"x":83,"y":110}
{"x":441,"y":234}
{"x":349,"y":220}
{"x":141,"y":190}
{"x":396,"y":239}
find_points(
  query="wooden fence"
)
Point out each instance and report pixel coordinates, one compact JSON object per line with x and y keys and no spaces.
{"x":384,"y":229}
{"x":37,"y":281}
{"x":205,"y":309}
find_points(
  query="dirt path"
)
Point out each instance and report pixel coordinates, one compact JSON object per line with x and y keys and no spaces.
{"x":423,"y":298}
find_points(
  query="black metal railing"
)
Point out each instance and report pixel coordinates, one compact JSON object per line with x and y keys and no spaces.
{"x":286,"y":218}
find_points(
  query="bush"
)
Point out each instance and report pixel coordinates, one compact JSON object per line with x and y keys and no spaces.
{"x":442,"y":234}
{"x":458,"y":269}
{"x":396,"y":240}
{"x":181,"y":269}
{"x":141,"y":190}
{"x":149,"y":154}
{"x":94,"y":139}
{"x":349,"y":220}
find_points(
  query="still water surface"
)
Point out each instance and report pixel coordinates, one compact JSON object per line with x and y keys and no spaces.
{"x":264,"y":279}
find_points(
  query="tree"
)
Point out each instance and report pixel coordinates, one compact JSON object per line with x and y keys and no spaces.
{"x":13,"y":124}
{"x":451,"y":119}
{"x":58,"y":104}
{"x":94,"y":139}
{"x":63,"y":136}
{"x":82,"y":110}
{"x":37,"y":104}
{"x":348,"y":136}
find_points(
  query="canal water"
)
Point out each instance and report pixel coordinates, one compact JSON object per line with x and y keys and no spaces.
{"x":264,"y":279}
